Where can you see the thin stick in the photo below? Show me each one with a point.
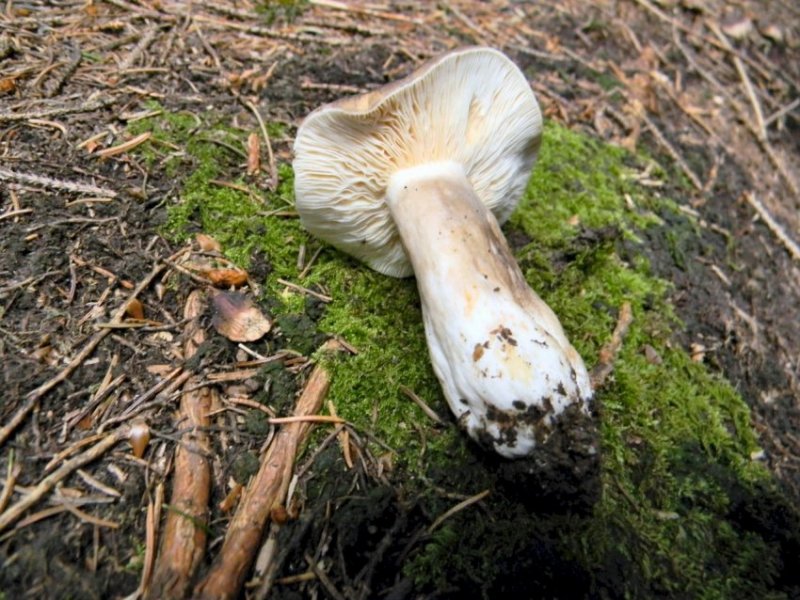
(344, 438)
(306, 419)
(608, 353)
(266, 490)
(760, 126)
(326, 582)
(457, 508)
(788, 243)
(782, 111)
(740, 112)
(15, 213)
(47, 484)
(151, 536)
(273, 171)
(125, 146)
(672, 152)
(35, 395)
(86, 517)
(251, 404)
(71, 450)
(305, 290)
(184, 540)
(429, 412)
(11, 478)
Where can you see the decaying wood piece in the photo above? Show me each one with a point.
(266, 491)
(184, 540)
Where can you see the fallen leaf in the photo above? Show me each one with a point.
(238, 319)
(7, 85)
(226, 278)
(207, 243)
(134, 310)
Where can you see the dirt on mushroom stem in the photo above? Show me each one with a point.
(505, 365)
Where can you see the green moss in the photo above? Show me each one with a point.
(281, 10)
(676, 439)
(245, 466)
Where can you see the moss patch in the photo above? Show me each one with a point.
(676, 439)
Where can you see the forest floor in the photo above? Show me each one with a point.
(95, 282)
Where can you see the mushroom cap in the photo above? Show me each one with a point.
(472, 106)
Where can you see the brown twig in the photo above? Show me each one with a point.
(788, 243)
(662, 140)
(609, 351)
(184, 540)
(758, 115)
(273, 170)
(305, 290)
(124, 146)
(429, 412)
(151, 537)
(267, 489)
(12, 473)
(457, 508)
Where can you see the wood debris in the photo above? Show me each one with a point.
(184, 534)
(237, 318)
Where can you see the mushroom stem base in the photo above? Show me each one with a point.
(505, 365)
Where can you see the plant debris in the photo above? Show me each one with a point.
(238, 319)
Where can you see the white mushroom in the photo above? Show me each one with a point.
(414, 178)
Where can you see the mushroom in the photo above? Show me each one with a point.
(414, 178)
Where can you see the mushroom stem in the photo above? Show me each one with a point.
(505, 365)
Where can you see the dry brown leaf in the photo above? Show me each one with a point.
(226, 278)
(7, 85)
(207, 243)
(238, 319)
(134, 310)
